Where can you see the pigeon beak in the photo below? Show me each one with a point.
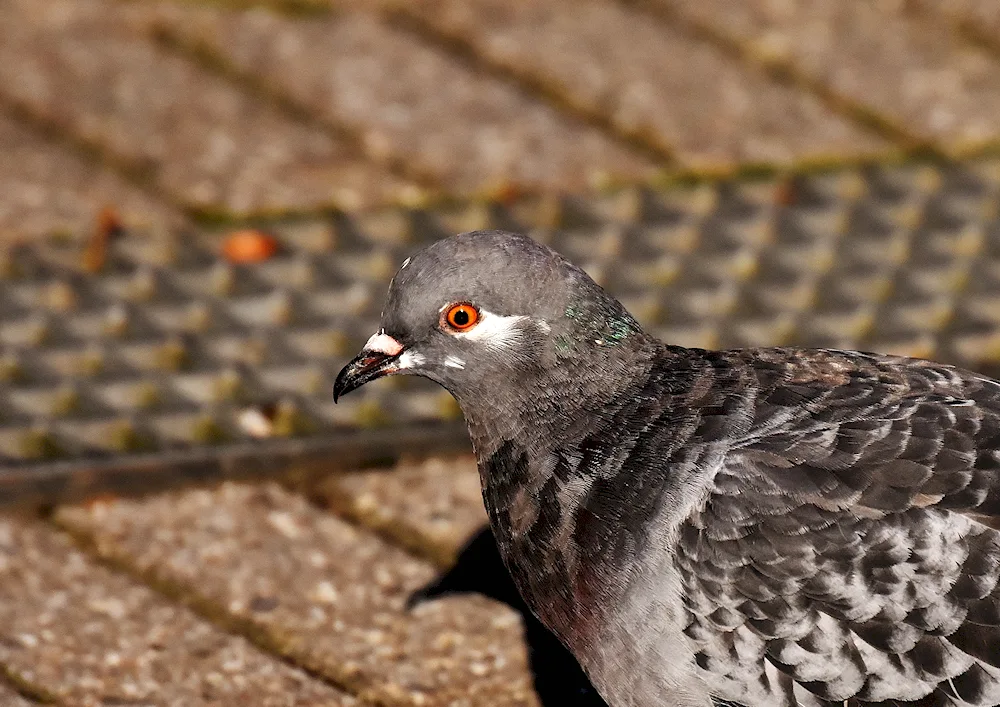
(375, 360)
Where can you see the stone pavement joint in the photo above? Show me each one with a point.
(253, 84)
(54, 187)
(902, 65)
(269, 642)
(430, 507)
(292, 8)
(305, 585)
(72, 632)
(976, 21)
(789, 74)
(134, 174)
(15, 691)
(90, 66)
(670, 88)
(465, 51)
(479, 133)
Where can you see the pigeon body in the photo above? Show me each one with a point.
(760, 527)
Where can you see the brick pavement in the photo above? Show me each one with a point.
(176, 114)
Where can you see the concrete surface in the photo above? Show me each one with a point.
(87, 636)
(330, 595)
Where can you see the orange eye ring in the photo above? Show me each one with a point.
(461, 316)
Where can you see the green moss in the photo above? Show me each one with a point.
(289, 421)
(172, 356)
(11, 370)
(39, 445)
(124, 437)
(371, 414)
(207, 430)
(228, 387)
(91, 363)
(449, 408)
(65, 402)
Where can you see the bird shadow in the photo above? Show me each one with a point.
(559, 680)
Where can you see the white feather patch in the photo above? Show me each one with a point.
(494, 330)
(454, 362)
(409, 359)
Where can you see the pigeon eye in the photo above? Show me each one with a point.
(462, 316)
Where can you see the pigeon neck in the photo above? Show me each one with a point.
(553, 402)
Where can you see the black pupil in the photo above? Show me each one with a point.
(461, 317)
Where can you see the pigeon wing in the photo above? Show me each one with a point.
(847, 549)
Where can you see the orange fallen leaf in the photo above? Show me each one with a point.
(249, 246)
(786, 194)
(506, 193)
(109, 225)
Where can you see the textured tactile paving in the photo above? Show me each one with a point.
(88, 67)
(167, 347)
(90, 637)
(410, 101)
(676, 91)
(918, 74)
(331, 596)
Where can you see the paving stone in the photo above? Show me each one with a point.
(83, 66)
(984, 14)
(651, 79)
(434, 505)
(410, 100)
(45, 189)
(92, 637)
(332, 595)
(9, 698)
(914, 72)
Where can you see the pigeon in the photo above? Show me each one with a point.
(761, 527)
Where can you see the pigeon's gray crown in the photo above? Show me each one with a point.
(504, 273)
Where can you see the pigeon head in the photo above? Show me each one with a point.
(486, 313)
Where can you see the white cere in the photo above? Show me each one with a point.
(383, 343)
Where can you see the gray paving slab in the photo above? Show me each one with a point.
(89, 67)
(914, 72)
(91, 637)
(434, 505)
(46, 189)
(331, 595)
(650, 79)
(411, 101)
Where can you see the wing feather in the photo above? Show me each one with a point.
(849, 532)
